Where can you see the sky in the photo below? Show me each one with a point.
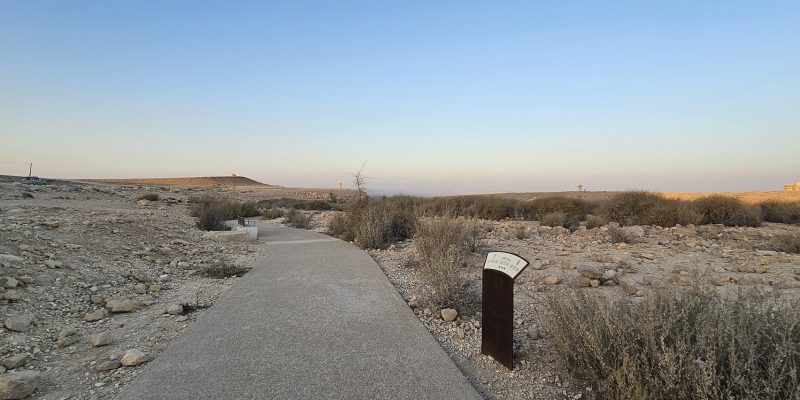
(437, 97)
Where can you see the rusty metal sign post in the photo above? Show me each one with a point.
(497, 322)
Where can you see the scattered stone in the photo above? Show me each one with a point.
(8, 282)
(578, 281)
(19, 323)
(175, 309)
(67, 341)
(107, 365)
(95, 315)
(8, 258)
(628, 286)
(18, 385)
(12, 295)
(590, 271)
(449, 314)
(121, 306)
(101, 339)
(551, 280)
(15, 361)
(133, 357)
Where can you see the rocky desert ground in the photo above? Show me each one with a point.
(709, 256)
(95, 282)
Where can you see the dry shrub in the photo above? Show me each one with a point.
(554, 219)
(475, 233)
(727, 211)
(441, 246)
(297, 219)
(536, 209)
(149, 197)
(337, 226)
(483, 207)
(679, 344)
(595, 221)
(213, 211)
(248, 209)
(522, 232)
(673, 212)
(211, 214)
(782, 212)
(221, 270)
(273, 213)
(631, 208)
(787, 243)
(376, 223)
(617, 235)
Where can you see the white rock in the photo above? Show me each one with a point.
(449, 314)
(133, 357)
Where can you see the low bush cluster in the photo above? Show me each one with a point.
(373, 224)
(212, 212)
(679, 344)
(782, 212)
(644, 208)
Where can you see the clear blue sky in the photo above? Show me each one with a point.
(436, 96)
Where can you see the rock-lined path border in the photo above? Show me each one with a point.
(317, 319)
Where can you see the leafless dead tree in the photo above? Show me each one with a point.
(360, 180)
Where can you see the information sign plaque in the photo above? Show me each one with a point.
(497, 307)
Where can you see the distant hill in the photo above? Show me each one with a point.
(206, 181)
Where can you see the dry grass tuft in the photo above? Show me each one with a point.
(442, 244)
(679, 344)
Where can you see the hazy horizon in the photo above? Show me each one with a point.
(438, 98)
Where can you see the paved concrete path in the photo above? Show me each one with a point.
(317, 319)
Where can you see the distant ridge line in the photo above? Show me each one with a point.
(203, 181)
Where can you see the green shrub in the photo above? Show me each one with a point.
(678, 344)
(249, 209)
(441, 245)
(149, 197)
(297, 219)
(782, 212)
(727, 211)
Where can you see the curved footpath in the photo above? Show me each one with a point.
(317, 319)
